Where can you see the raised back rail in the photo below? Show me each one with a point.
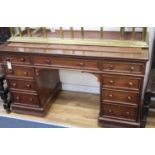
(122, 37)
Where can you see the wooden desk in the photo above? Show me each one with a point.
(33, 78)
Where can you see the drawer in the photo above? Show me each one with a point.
(121, 82)
(42, 60)
(123, 67)
(17, 59)
(23, 85)
(23, 98)
(120, 96)
(75, 63)
(120, 111)
(19, 71)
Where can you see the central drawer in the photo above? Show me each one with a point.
(111, 95)
(42, 60)
(23, 98)
(75, 63)
(120, 111)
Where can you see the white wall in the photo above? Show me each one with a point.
(85, 82)
(148, 66)
(77, 81)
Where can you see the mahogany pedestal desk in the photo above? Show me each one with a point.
(32, 75)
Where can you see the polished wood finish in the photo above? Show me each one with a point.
(123, 82)
(123, 67)
(75, 63)
(120, 112)
(40, 68)
(25, 98)
(20, 85)
(42, 60)
(17, 59)
(113, 95)
(19, 72)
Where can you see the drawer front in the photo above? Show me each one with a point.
(24, 85)
(76, 63)
(120, 111)
(120, 96)
(23, 98)
(121, 82)
(17, 59)
(123, 67)
(19, 71)
(42, 60)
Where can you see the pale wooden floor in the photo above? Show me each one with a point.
(72, 109)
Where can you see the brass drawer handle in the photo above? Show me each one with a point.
(14, 84)
(28, 86)
(81, 64)
(110, 95)
(37, 73)
(111, 67)
(110, 111)
(127, 113)
(111, 82)
(130, 84)
(22, 59)
(132, 68)
(30, 99)
(129, 98)
(47, 61)
(25, 73)
(17, 98)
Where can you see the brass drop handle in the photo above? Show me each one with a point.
(28, 86)
(130, 83)
(129, 98)
(22, 59)
(17, 98)
(132, 68)
(30, 99)
(14, 84)
(110, 95)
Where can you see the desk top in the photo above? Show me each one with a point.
(77, 50)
